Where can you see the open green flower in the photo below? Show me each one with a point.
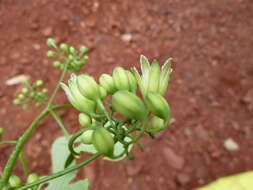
(153, 79)
(75, 97)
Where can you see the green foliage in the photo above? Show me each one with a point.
(59, 155)
(242, 181)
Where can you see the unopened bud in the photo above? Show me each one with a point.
(39, 83)
(84, 120)
(88, 87)
(51, 54)
(120, 78)
(102, 92)
(72, 50)
(157, 105)
(64, 47)
(132, 82)
(14, 181)
(56, 64)
(83, 50)
(51, 43)
(129, 105)
(32, 178)
(86, 137)
(107, 82)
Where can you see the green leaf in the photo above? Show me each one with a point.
(242, 181)
(60, 155)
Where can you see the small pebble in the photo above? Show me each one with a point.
(231, 145)
(126, 37)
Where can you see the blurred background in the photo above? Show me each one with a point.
(210, 93)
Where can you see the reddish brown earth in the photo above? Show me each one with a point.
(211, 91)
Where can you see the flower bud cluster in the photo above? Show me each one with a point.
(67, 57)
(16, 182)
(33, 92)
(115, 97)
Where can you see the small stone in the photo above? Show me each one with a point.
(127, 37)
(133, 169)
(36, 46)
(183, 179)
(231, 145)
(47, 31)
(174, 160)
(16, 80)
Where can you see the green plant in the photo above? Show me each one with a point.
(112, 116)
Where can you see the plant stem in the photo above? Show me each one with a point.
(20, 143)
(22, 140)
(23, 163)
(50, 101)
(8, 142)
(100, 104)
(55, 108)
(61, 173)
(59, 122)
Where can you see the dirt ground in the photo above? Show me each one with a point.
(211, 91)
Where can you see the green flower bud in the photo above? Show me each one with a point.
(154, 77)
(71, 57)
(57, 64)
(44, 90)
(102, 92)
(15, 181)
(88, 87)
(72, 50)
(86, 137)
(25, 90)
(74, 95)
(103, 141)
(107, 82)
(21, 96)
(120, 78)
(64, 47)
(32, 178)
(83, 50)
(158, 105)
(84, 120)
(39, 83)
(51, 54)
(85, 58)
(157, 124)
(129, 105)
(16, 101)
(132, 82)
(51, 43)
